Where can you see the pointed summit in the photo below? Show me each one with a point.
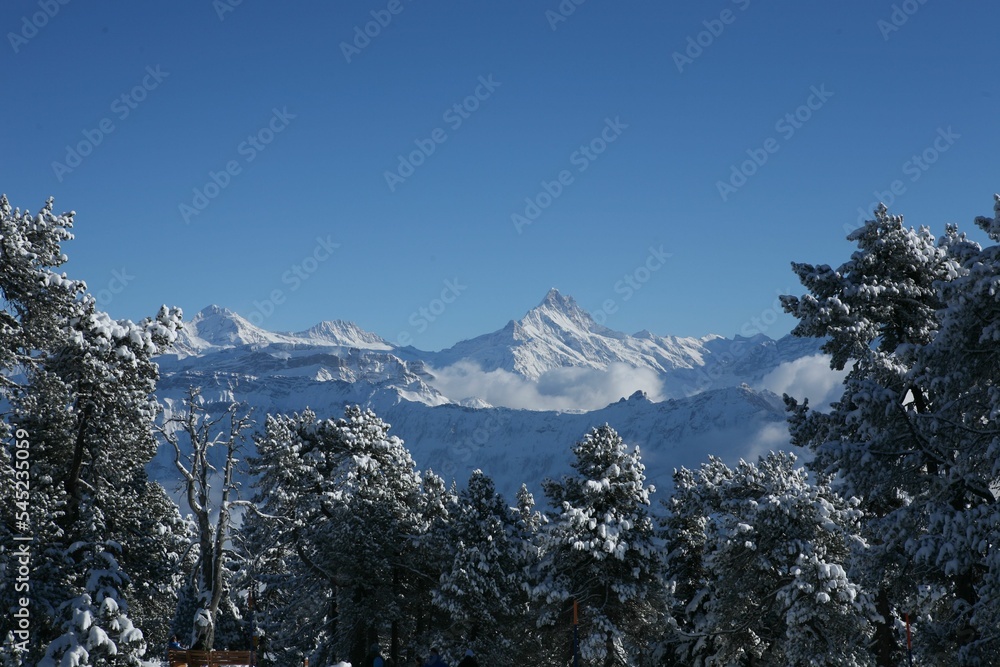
(558, 312)
(555, 299)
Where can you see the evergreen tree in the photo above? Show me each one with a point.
(481, 587)
(910, 435)
(346, 499)
(599, 552)
(78, 385)
(431, 555)
(758, 562)
(958, 513)
(96, 627)
(297, 613)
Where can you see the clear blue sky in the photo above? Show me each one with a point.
(202, 93)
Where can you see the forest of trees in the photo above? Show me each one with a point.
(890, 528)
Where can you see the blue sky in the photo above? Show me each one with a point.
(300, 222)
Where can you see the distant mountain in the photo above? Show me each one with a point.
(344, 334)
(558, 333)
(216, 328)
(711, 406)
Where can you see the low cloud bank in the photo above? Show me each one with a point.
(807, 377)
(563, 389)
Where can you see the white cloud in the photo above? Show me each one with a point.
(770, 438)
(807, 377)
(564, 389)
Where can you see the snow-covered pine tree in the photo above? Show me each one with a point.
(599, 551)
(79, 386)
(959, 518)
(37, 302)
(757, 558)
(153, 551)
(431, 555)
(528, 523)
(297, 610)
(910, 434)
(348, 496)
(97, 630)
(89, 414)
(480, 588)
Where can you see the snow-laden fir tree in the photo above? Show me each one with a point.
(90, 416)
(598, 551)
(346, 496)
(431, 555)
(79, 386)
(912, 435)
(481, 588)
(955, 541)
(96, 628)
(296, 457)
(758, 560)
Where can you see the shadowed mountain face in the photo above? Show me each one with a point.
(482, 403)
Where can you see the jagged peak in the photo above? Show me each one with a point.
(335, 326)
(214, 310)
(343, 332)
(556, 303)
(556, 299)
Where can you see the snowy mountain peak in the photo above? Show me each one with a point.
(346, 334)
(558, 312)
(555, 299)
(221, 327)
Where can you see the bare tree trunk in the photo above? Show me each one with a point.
(197, 473)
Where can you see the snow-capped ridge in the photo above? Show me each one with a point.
(343, 333)
(215, 326)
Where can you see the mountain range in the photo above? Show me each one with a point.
(511, 402)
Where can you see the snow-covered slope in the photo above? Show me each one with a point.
(515, 446)
(343, 334)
